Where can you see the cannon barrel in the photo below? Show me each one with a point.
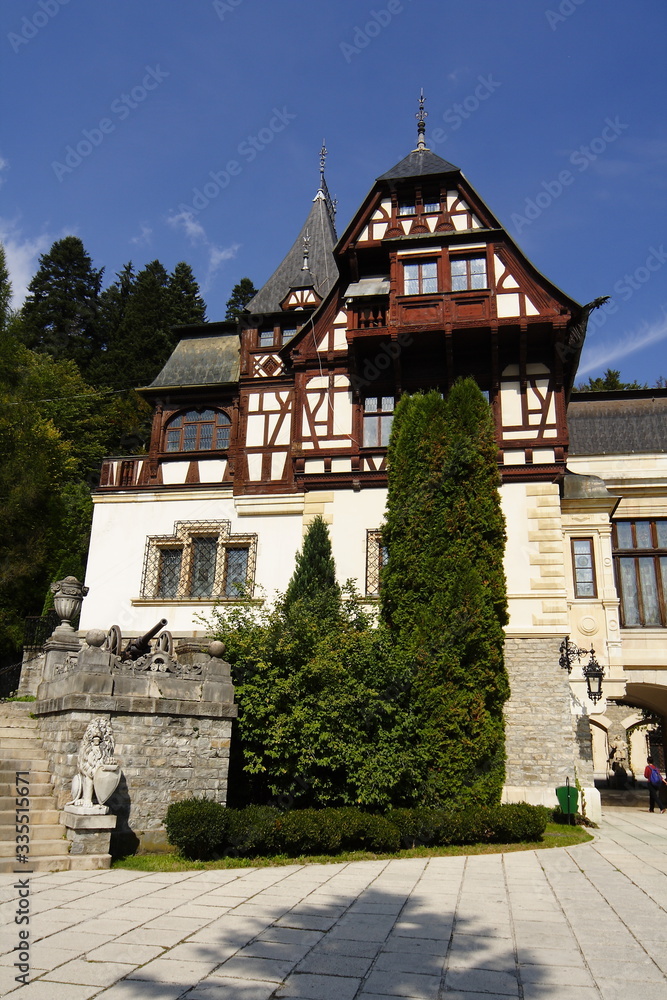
(137, 647)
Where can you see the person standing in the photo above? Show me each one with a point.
(656, 785)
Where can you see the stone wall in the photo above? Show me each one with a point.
(539, 737)
(163, 758)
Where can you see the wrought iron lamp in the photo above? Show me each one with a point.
(593, 672)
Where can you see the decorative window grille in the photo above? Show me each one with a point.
(201, 561)
(198, 430)
(378, 415)
(468, 273)
(584, 567)
(420, 277)
(376, 557)
(640, 557)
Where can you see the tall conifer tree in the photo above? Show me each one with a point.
(443, 589)
(186, 306)
(61, 313)
(314, 577)
(241, 295)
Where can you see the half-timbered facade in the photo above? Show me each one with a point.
(261, 426)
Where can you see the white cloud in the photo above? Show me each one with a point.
(196, 233)
(22, 255)
(4, 164)
(144, 237)
(601, 356)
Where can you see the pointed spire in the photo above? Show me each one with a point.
(421, 117)
(323, 191)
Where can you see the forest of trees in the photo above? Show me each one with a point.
(70, 360)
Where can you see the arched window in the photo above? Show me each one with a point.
(198, 430)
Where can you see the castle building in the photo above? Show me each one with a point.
(262, 425)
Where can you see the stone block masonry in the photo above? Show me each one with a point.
(539, 738)
(172, 732)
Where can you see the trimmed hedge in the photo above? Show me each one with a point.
(202, 829)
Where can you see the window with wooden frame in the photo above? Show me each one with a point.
(378, 416)
(201, 561)
(198, 430)
(406, 205)
(640, 562)
(265, 338)
(420, 277)
(583, 567)
(431, 201)
(377, 556)
(468, 273)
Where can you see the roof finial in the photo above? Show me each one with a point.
(323, 191)
(306, 252)
(323, 160)
(421, 117)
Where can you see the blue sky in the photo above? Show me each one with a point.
(555, 111)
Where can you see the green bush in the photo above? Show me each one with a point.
(504, 824)
(251, 832)
(197, 827)
(327, 831)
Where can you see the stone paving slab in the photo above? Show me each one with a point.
(564, 924)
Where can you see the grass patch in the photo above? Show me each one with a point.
(22, 697)
(555, 835)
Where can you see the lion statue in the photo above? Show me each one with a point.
(98, 772)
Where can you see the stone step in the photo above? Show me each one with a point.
(47, 831)
(8, 768)
(39, 817)
(59, 863)
(38, 789)
(8, 802)
(22, 746)
(38, 848)
(18, 723)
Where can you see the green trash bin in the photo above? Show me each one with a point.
(568, 797)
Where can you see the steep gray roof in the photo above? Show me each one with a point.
(201, 358)
(606, 424)
(419, 163)
(289, 274)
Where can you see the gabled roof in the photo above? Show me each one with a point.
(419, 163)
(204, 355)
(290, 274)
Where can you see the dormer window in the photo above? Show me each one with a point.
(198, 430)
(431, 202)
(406, 206)
(468, 273)
(420, 277)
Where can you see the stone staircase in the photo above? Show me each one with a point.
(21, 750)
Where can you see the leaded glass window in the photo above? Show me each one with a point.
(378, 416)
(169, 572)
(468, 273)
(202, 560)
(420, 277)
(204, 556)
(584, 567)
(236, 571)
(198, 430)
(640, 556)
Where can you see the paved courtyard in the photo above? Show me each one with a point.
(568, 924)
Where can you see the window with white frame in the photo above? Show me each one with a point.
(200, 561)
(420, 277)
(640, 558)
(378, 416)
(468, 273)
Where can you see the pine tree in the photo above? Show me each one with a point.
(61, 313)
(610, 381)
(443, 589)
(186, 306)
(314, 577)
(5, 290)
(239, 299)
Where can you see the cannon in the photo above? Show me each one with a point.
(142, 645)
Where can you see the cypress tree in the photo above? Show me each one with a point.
(443, 589)
(314, 576)
(61, 313)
